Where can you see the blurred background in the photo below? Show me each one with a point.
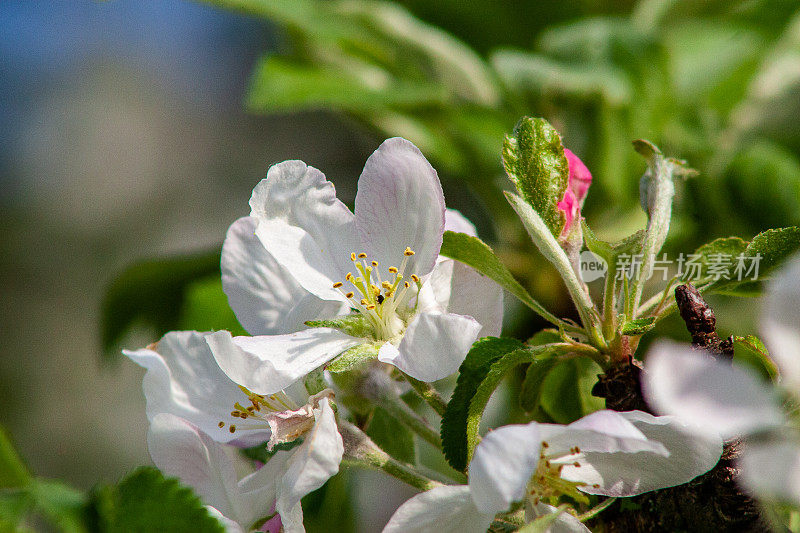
(136, 130)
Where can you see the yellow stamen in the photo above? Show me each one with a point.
(349, 295)
(337, 284)
(414, 278)
(408, 252)
(352, 256)
(393, 270)
(362, 255)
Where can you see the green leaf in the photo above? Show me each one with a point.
(530, 394)
(713, 253)
(151, 293)
(353, 358)
(567, 389)
(205, 308)
(752, 352)
(470, 375)
(147, 501)
(354, 324)
(474, 252)
(13, 472)
(62, 505)
(640, 326)
(493, 377)
(775, 246)
(392, 436)
(534, 160)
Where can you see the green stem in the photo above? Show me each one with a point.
(429, 394)
(610, 305)
(406, 415)
(361, 451)
(596, 510)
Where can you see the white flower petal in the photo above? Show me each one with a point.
(258, 490)
(184, 379)
(455, 221)
(179, 449)
(771, 470)
(780, 323)
(565, 523)
(460, 289)
(603, 431)
(268, 364)
(503, 463)
(400, 203)
(311, 464)
(265, 296)
(304, 226)
(433, 346)
(629, 474)
(712, 397)
(448, 509)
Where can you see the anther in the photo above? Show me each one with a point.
(362, 255)
(380, 298)
(576, 464)
(348, 276)
(374, 263)
(232, 428)
(364, 301)
(370, 307)
(221, 424)
(352, 256)
(386, 285)
(393, 270)
(406, 284)
(337, 284)
(544, 444)
(408, 252)
(577, 450)
(349, 295)
(414, 278)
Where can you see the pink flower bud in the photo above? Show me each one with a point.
(579, 180)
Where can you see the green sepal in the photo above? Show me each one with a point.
(354, 358)
(533, 158)
(354, 324)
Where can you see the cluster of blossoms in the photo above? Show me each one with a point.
(310, 280)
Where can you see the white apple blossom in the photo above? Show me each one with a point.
(181, 449)
(302, 255)
(605, 453)
(717, 397)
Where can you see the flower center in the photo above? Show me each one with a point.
(548, 485)
(384, 302)
(261, 408)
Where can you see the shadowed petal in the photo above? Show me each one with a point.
(184, 379)
(455, 221)
(400, 203)
(310, 466)
(771, 470)
(710, 396)
(265, 296)
(503, 464)
(448, 509)
(268, 364)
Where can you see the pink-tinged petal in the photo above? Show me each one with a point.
(184, 379)
(269, 364)
(771, 470)
(571, 208)
(258, 491)
(780, 323)
(265, 296)
(503, 463)
(180, 449)
(565, 523)
(579, 176)
(455, 221)
(304, 227)
(447, 509)
(460, 289)
(310, 466)
(400, 203)
(712, 397)
(434, 345)
(629, 474)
